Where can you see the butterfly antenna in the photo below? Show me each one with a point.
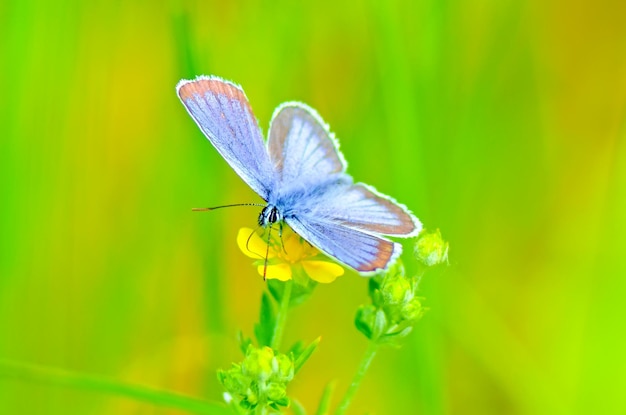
(205, 209)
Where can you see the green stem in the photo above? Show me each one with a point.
(59, 377)
(281, 318)
(372, 348)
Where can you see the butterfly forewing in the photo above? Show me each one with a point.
(301, 147)
(223, 113)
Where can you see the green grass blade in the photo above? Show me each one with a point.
(325, 400)
(63, 378)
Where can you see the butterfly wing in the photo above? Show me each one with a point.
(221, 110)
(347, 221)
(361, 207)
(305, 154)
(361, 251)
(301, 147)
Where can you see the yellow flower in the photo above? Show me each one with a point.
(287, 257)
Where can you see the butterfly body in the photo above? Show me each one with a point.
(300, 174)
(269, 216)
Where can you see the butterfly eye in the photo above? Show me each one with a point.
(262, 216)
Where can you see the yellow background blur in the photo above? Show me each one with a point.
(499, 122)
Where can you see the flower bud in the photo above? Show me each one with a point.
(275, 391)
(396, 290)
(412, 310)
(260, 380)
(430, 248)
(284, 368)
(252, 397)
(258, 362)
(394, 308)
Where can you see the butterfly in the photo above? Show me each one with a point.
(301, 175)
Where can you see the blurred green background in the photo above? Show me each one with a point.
(499, 122)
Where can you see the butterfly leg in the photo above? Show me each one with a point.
(267, 252)
(280, 235)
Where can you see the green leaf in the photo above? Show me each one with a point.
(284, 401)
(297, 408)
(221, 376)
(395, 338)
(373, 285)
(305, 354)
(296, 349)
(380, 324)
(364, 319)
(244, 341)
(263, 331)
(325, 400)
(402, 333)
(37, 374)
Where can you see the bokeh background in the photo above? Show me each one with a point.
(499, 122)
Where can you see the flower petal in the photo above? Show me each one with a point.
(322, 271)
(252, 245)
(280, 272)
(293, 249)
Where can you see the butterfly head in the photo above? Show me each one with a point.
(269, 216)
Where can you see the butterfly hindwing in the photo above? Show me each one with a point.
(361, 207)
(364, 252)
(222, 112)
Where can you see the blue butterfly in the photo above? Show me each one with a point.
(301, 175)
